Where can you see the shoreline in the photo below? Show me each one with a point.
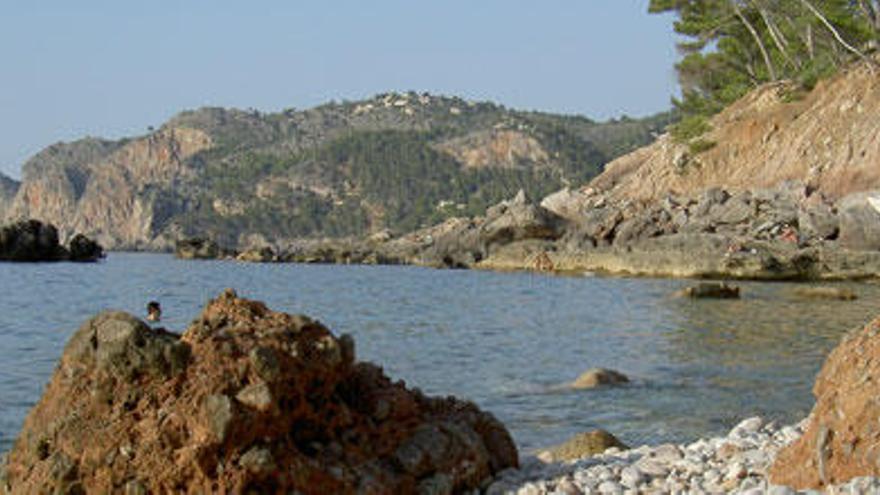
(735, 463)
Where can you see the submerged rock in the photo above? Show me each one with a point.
(246, 399)
(829, 293)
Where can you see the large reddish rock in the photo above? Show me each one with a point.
(246, 400)
(842, 440)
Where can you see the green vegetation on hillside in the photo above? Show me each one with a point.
(733, 46)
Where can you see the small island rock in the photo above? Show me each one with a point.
(597, 377)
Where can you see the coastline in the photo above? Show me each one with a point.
(736, 463)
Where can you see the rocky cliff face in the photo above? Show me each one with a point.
(396, 161)
(8, 188)
(102, 189)
(829, 139)
(247, 400)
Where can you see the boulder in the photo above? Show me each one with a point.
(842, 436)
(818, 221)
(566, 203)
(518, 219)
(245, 400)
(84, 249)
(197, 249)
(584, 444)
(597, 377)
(860, 221)
(711, 290)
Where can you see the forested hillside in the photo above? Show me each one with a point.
(396, 161)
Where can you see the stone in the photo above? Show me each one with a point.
(711, 290)
(597, 377)
(258, 460)
(818, 221)
(257, 396)
(219, 414)
(860, 221)
(631, 477)
(610, 487)
(747, 426)
(584, 445)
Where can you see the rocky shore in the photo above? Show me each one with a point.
(739, 462)
(786, 233)
(31, 240)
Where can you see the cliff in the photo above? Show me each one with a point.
(398, 161)
(8, 188)
(828, 138)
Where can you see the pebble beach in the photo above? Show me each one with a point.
(736, 463)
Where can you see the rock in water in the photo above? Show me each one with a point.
(197, 249)
(597, 377)
(247, 399)
(32, 240)
(711, 290)
(84, 249)
(829, 293)
(842, 438)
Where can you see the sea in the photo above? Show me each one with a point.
(510, 342)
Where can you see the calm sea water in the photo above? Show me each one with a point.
(503, 340)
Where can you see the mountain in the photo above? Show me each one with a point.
(828, 138)
(395, 161)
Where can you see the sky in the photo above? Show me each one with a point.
(111, 69)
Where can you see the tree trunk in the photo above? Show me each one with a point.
(758, 41)
(871, 63)
(777, 37)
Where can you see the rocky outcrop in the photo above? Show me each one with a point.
(197, 249)
(32, 240)
(496, 148)
(110, 191)
(843, 432)
(8, 188)
(246, 400)
(464, 243)
(827, 139)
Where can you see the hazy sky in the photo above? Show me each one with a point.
(111, 68)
